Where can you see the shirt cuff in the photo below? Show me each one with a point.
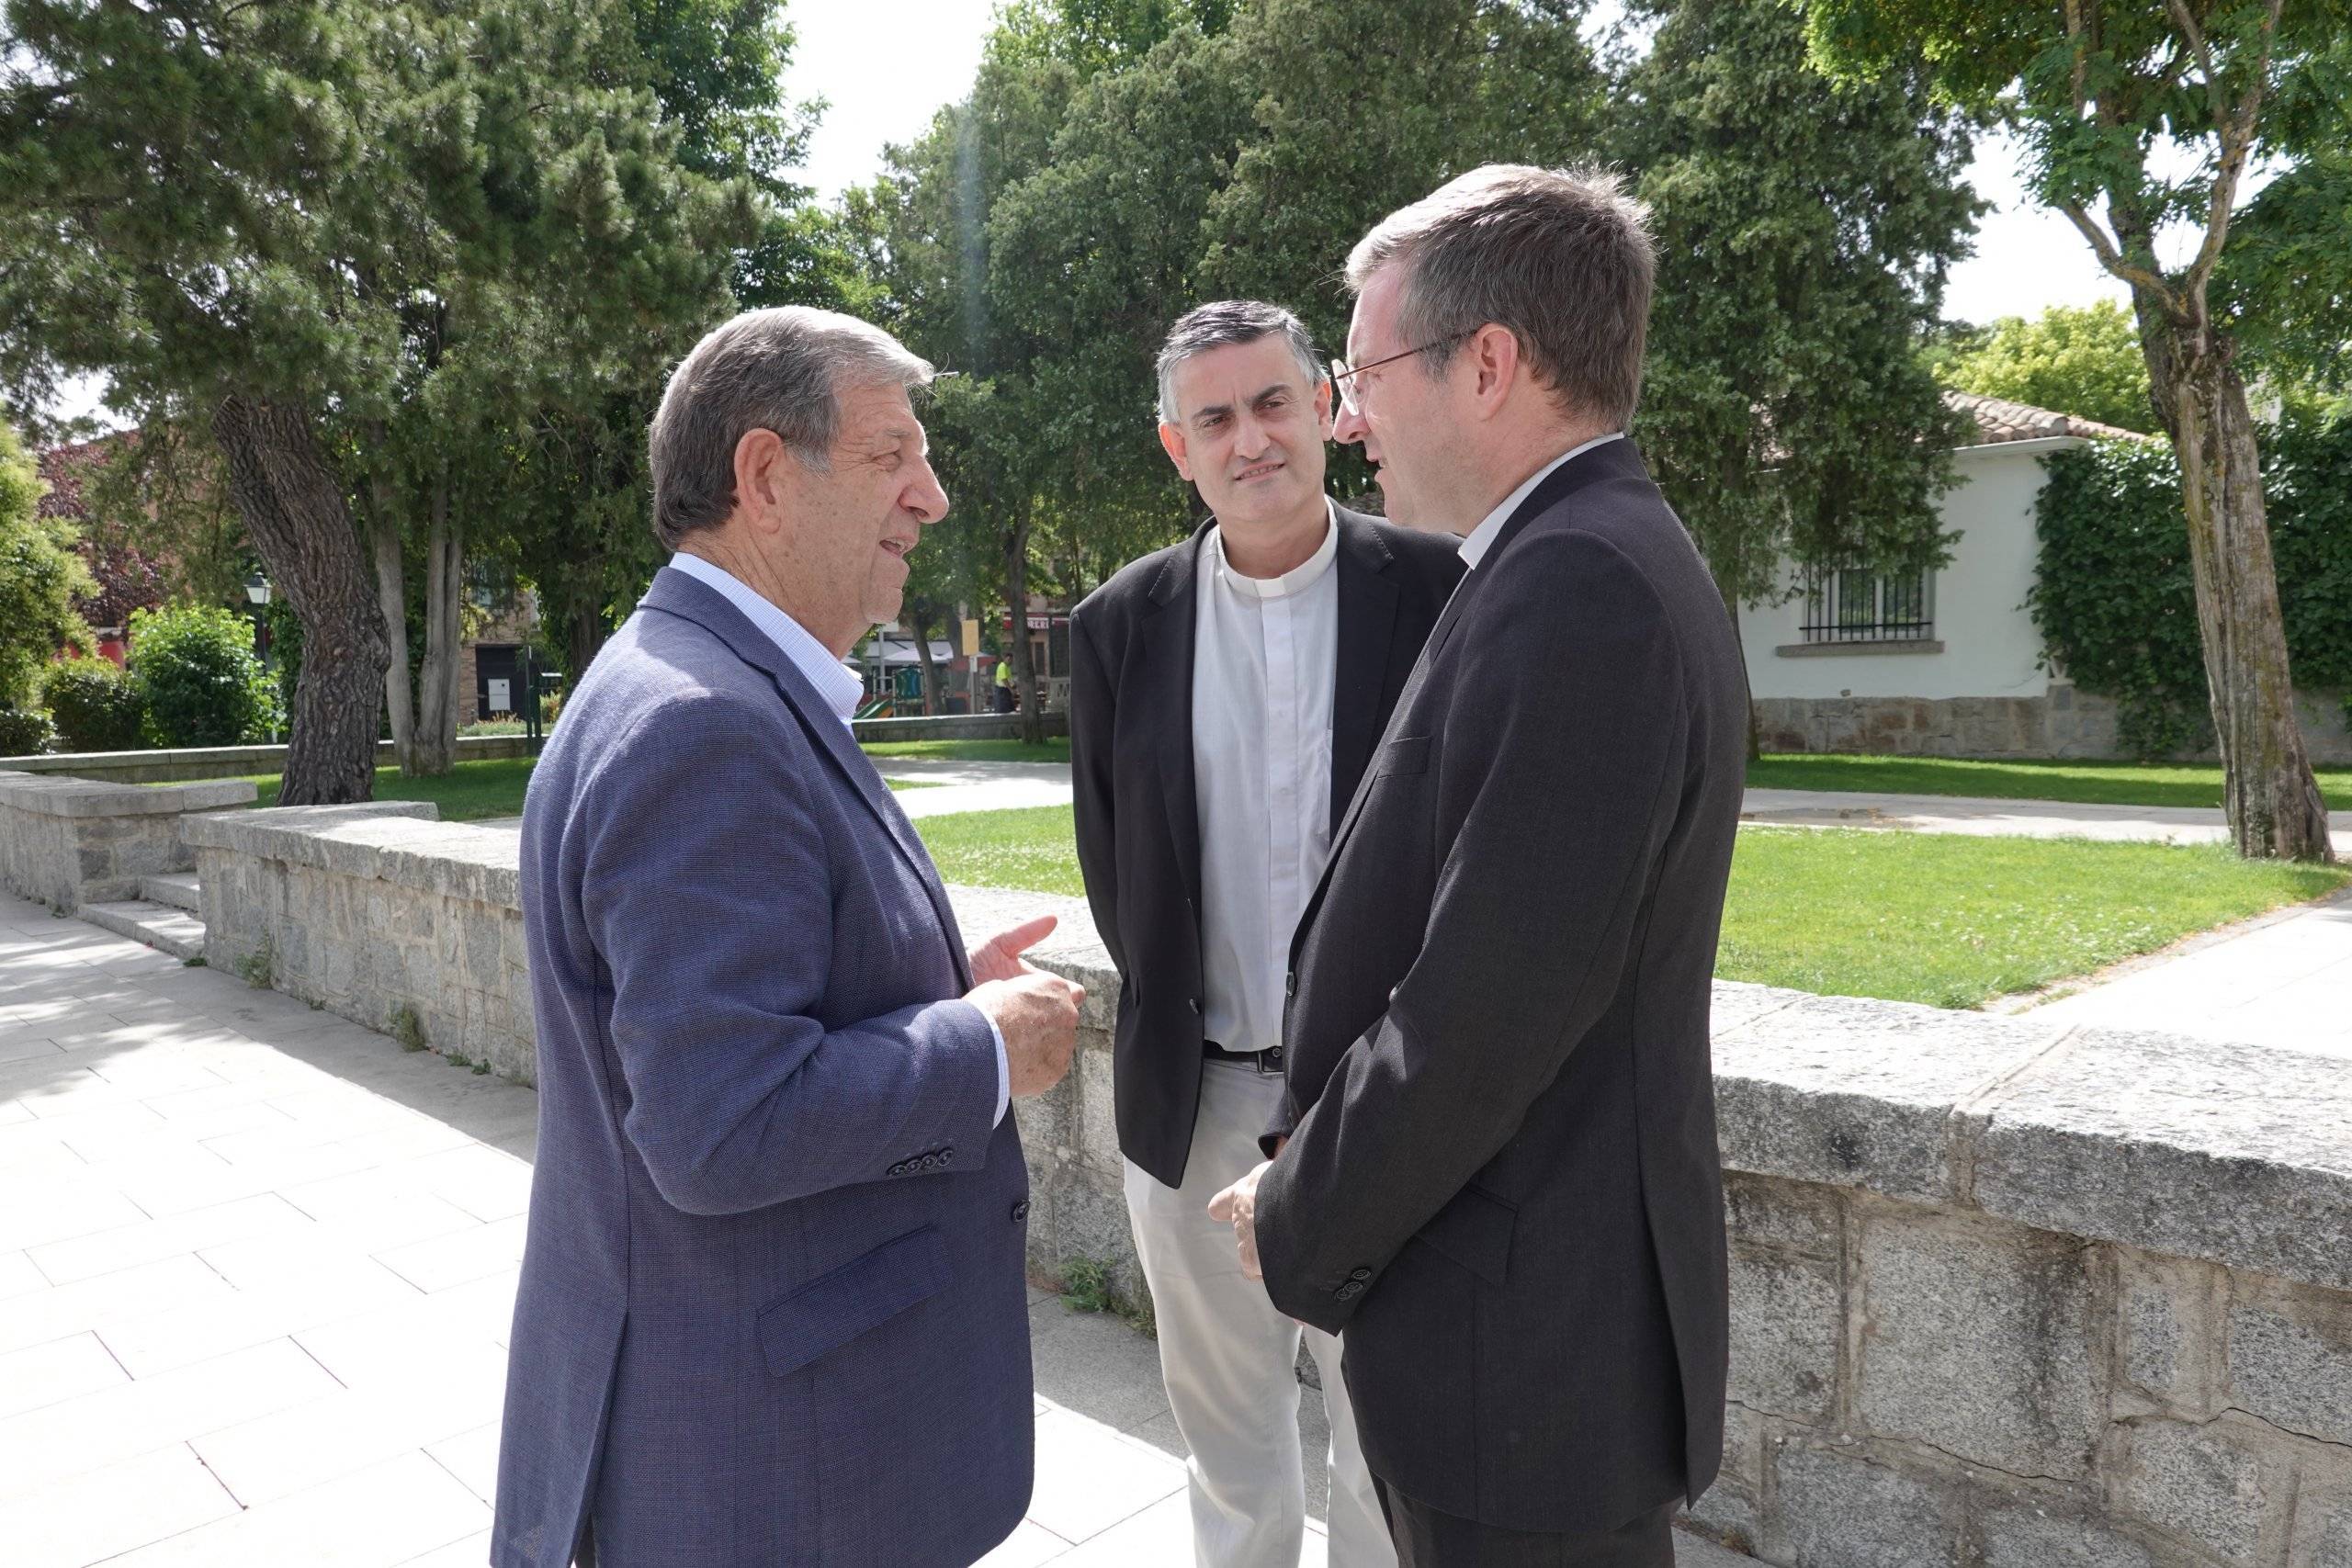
(1004, 1073)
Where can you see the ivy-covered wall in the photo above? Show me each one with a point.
(2115, 602)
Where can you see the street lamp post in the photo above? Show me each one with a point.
(257, 594)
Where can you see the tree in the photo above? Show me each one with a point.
(1804, 230)
(244, 213)
(2097, 89)
(2082, 360)
(40, 577)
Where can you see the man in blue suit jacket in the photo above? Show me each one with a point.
(771, 1308)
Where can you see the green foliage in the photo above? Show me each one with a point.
(96, 704)
(40, 577)
(2084, 361)
(408, 1028)
(25, 732)
(198, 678)
(2115, 600)
(259, 967)
(1805, 231)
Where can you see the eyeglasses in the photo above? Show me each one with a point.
(1343, 374)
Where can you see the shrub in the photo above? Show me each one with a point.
(94, 704)
(199, 679)
(2115, 599)
(23, 733)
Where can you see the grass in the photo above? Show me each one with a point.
(1056, 751)
(1950, 920)
(2082, 783)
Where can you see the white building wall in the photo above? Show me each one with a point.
(1989, 647)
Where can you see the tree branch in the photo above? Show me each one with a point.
(2110, 256)
(2237, 140)
(2196, 36)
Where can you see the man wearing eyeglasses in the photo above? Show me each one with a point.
(1494, 1165)
(1225, 696)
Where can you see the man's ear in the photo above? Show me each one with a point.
(760, 457)
(1496, 360)
(1323, 416)
(1171, 439)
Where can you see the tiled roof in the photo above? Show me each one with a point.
(1999, 420)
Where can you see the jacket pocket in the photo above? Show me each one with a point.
(1474, 1231)
(1404, 755)
(828, 1312)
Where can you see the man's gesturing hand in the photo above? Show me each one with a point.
(1238, 1204)
(1036, 1012)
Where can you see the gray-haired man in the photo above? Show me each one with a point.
(772, 1306)
(1225, 696)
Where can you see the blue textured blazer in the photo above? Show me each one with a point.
(771, 1308)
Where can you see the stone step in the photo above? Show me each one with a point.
(176, 888)
(160, 926)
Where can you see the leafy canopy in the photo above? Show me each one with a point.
(2082, 360)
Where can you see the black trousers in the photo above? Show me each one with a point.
(1427, 1538)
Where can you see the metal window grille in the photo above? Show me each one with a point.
(1868, 606)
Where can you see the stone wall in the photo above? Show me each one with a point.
(2065, 723)
(69, 842)
(380, 913)
(952, 727)
(2002, 1294)
(224, 761)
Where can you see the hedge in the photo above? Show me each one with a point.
(2115, 600)
(96, 704)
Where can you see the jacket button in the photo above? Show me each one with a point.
(1290, 984)
(1020, 1211)
(1361, 1274)
(1194, 1003)
(897, 1169)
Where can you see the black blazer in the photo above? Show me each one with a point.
(1138, 824)
(1501, 1179)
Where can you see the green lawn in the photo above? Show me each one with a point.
(2100, 783)
(1941, 918)
(1057, 751)
(473, 791)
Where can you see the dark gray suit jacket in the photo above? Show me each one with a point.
(1139, 822)
(1502, 1178)
(772, 1307)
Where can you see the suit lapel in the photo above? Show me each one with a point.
(1368, 600)
(681, 595)
(1168, 630)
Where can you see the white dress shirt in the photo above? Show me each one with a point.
(1482, 538)
(1265, 654)
(836, 684)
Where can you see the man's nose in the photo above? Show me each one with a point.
(926, 497)
(1349, 426)
(1249, 437)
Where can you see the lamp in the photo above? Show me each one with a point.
(257, 590)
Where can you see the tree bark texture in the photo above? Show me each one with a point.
(391, 602)
(1025, 667)
(2274, 804)
(294, 510)
(919, 617)
(435, 738)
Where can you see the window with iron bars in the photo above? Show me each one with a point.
(1869, 606)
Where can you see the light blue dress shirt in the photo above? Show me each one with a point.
(836, 682)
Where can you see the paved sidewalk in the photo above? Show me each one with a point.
(2022, 819)
(952, 786)
(2284, 981)
(256, 1270)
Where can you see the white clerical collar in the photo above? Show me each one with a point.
(835, 681)
(1298, 579)
(1482, 538)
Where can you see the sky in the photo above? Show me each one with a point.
(886, 66)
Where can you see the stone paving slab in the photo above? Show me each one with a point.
(256, 1272)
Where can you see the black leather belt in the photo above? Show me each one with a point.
(1269, 1060)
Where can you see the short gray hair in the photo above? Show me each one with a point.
(782, 369)
(1563, 258)
(1225, 323)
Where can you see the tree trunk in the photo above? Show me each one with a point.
(292, 503)
(2274, 804)
(919, 617)
(1024, 669)
(586, 633)
(392, 602)
(436, 740)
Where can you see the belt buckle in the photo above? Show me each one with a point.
(1270, 1061)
